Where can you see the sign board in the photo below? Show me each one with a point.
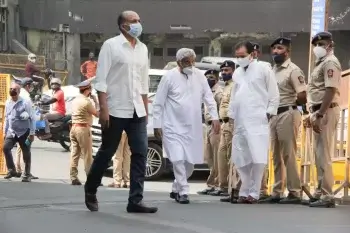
(318, 17)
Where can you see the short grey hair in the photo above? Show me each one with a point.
(184, 53)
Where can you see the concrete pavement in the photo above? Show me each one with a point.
(50, 204)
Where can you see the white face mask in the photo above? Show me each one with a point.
(243, 62)
(319, 52)
(188, 70)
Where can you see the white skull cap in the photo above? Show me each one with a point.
(56, 81)
(31, 56)
(184, 53)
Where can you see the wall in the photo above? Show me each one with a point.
(62, 51)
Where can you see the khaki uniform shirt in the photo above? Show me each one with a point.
(81, 106)
(327, 73)
(225, 100)
(291, 81)
(217, 93)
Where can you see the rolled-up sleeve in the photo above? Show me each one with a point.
(103, 68)
(145, 76)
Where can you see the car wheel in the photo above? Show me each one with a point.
(155, 165)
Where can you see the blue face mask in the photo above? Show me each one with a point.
(211, 82)
(135, 30)
(226, 77)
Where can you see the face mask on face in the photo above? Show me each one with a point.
(30, 89)
(319, 52)
(226, 77)
(13, 92)
(211, 82)
(244, 62)
(187, 70)
(279, 58)
(135, 30)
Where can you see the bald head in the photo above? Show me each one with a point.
(126, 18)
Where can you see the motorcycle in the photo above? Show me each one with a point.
(59, 129)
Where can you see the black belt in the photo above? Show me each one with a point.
(225, 119)
(317, 107)
(209, 122)
(285, 109)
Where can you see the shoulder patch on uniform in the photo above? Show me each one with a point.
(301, 79)
(330, 73)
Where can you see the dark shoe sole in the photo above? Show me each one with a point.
(142, 211)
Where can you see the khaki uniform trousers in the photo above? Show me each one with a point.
(81, 147)
(224, 155)
(121, 162)
(211, 154)
(284, 133)
(264, 190)
(323, 146)
(19, 159)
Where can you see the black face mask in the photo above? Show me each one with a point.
(279, 58)
(13, 92)
(211, 82)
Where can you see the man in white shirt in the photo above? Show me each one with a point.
(254, 100)
(122, 84)
(177, 119)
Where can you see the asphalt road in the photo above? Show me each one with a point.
(50, 204)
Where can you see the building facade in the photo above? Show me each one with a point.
(67, 30)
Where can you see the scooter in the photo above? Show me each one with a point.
(59, 129)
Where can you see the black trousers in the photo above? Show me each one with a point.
(10, 142)
(136, 130)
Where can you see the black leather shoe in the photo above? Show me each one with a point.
(270, 200)
(173, 195)
(323, 204)
(140, 208)
(26, 179)
(11, 174)
(206, 191)
(76, 182)
(307, 202)
(18, 174)
(225, 199)
(91, 202)
(217, 192)
(290, 199)
(183, 199)
(33, 177)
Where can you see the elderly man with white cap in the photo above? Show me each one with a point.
(177, 119)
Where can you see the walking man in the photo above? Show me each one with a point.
(19, 128)
(177, 119)
(122, 84)
(254, 100)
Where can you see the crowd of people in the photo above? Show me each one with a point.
(257, 106)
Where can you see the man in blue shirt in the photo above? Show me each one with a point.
(19, 128)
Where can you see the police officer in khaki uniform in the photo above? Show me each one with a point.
(80, 134)
(224, 154)
(212, 139)
(323, 97)
(285, 126)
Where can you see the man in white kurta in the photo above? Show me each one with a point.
(177, 119)
(254, 100)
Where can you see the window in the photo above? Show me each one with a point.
(158, 52)
(227, 50)
(198, 50)
(171, 52)
(84, 52)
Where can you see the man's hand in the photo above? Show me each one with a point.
(31, 138)
(306, 122)
(315, 123)
(216, 126)
(104, 118)
(158, 133)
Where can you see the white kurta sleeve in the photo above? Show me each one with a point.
(273, 93)
(159, 102)
(231, 111)
(145, 76)
(209, 101)
(103, 66)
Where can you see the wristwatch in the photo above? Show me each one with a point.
(318, 115)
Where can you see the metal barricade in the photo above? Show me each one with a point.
(340, 158)
(4, 88)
